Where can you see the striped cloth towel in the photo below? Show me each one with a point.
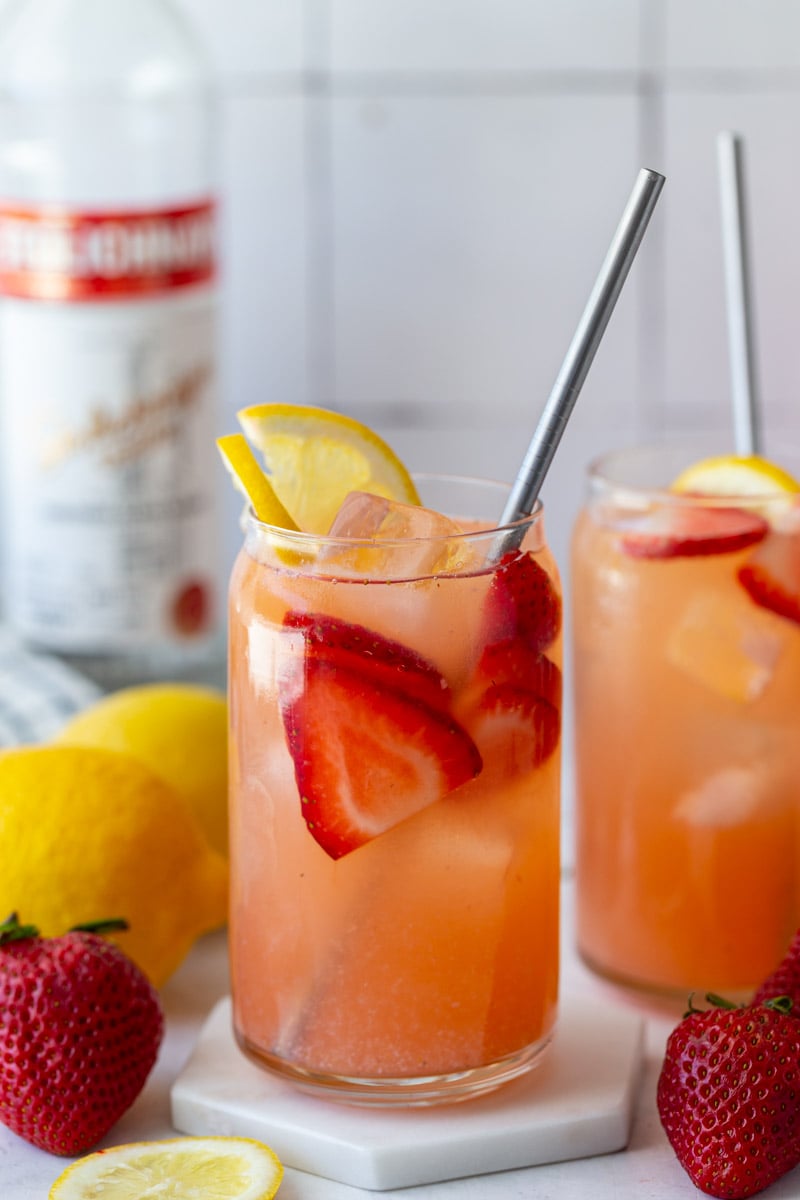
(38, 693)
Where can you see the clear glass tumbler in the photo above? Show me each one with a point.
(395, 732)
(687, 727)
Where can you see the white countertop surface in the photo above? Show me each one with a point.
(646, 1170)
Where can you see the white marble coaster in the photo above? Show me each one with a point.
(578, 1102)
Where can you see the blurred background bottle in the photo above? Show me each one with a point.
(107, 339)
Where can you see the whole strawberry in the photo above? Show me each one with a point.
(785, 979)
(729, 1096)
(80, 1027)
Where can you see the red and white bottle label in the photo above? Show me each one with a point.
(107, 376)
(51, 253)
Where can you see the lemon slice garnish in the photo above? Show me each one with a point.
(732, 475)
(251, 481)
(315, 457)
(227, 1168)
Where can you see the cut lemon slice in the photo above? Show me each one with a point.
(216, 1168)
(251, 481)
(729, 475)
(315, 457)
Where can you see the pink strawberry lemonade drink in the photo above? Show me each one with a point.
(686, 633)
(395, 724)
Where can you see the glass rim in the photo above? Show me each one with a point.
(300, 537)
(624, 490)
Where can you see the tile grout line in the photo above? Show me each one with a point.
(650, 402)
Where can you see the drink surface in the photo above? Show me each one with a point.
(431, 947)
(687, 750)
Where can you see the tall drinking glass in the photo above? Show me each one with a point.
(687, 716)
(395, 725)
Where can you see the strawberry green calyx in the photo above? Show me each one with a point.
(721, 1002)
(781, 1004)
(12, 931)
(714, 1000)
(109, 925)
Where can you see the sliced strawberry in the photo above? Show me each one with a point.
(365, 756)
(515, 729)
(771, 575)
(522, 605)
(514, 662)
(512, 704)
(390, 664)
(686, 531)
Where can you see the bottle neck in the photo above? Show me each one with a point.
(105, 105)
(141, 49)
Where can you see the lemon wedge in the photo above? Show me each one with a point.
(219, 1168)
(732, 475)
(251, 481)
(315, 457)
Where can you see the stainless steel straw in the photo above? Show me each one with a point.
(738, 299)
(583, 346)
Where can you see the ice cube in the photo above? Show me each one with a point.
(429, 545)
(731, 649)
(725, 799)
(364, 515)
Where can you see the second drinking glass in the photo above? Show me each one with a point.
(687, 662)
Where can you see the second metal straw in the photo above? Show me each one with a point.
(583, 346)
(741, 339)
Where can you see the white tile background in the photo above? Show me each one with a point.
(418, 194)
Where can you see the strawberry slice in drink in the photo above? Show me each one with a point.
(389, 663)
(515, 729)
(771, 575)
(522, 605)
(367, 756)
(686, 531)
(514, 662)
(512, 705)
(512, 709)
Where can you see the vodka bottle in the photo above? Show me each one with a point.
(107, 338)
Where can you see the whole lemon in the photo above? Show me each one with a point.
(179, 731)
(88, 833)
